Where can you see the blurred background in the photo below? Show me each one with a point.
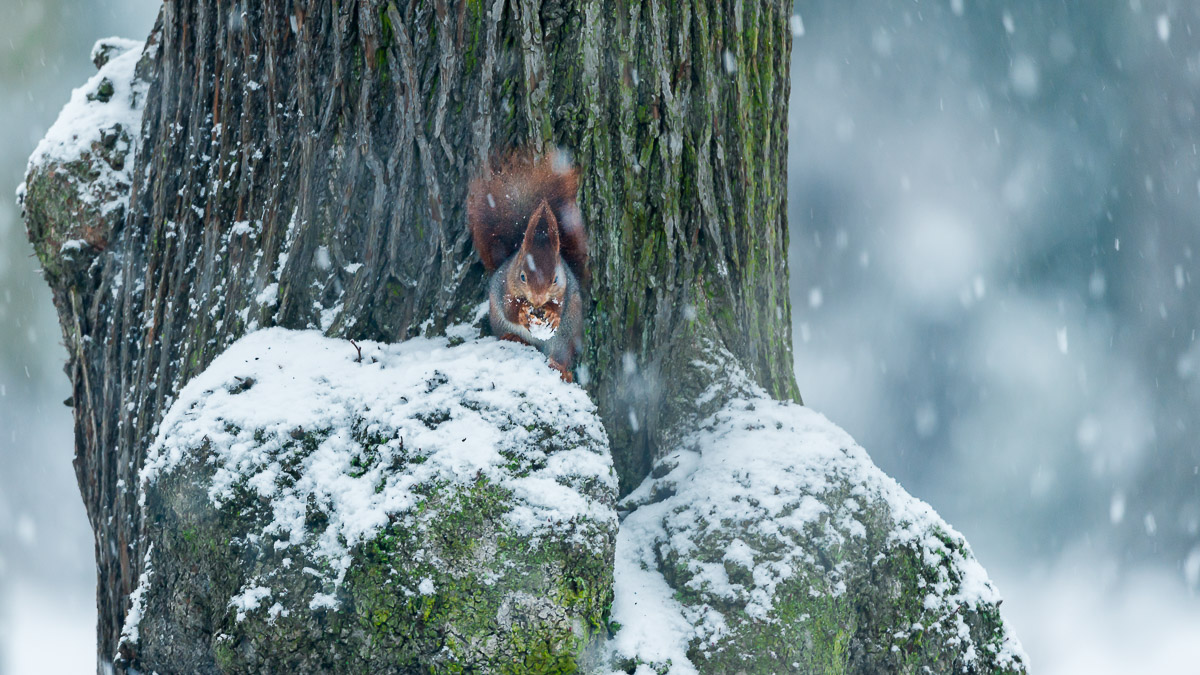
(995, 214)
(47, 565)
(995, 225)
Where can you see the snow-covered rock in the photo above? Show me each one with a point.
(448, 504)
(77, 183)
(437, 505)
(770, 543)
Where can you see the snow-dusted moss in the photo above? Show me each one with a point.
(770, 543)
(428, 509)
(77, 184)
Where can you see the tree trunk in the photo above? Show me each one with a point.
(306, 166)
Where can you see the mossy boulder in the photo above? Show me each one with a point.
(770, 543)
(423, 508)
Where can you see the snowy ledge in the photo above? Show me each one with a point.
(112, 98)
(103, 118)
(78, 180)
(432, 488)
(769, 542)
(451, 414)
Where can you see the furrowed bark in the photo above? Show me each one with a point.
(306, 166)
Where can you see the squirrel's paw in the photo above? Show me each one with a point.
(563, 371)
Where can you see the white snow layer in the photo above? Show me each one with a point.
(760, 465)
(488, 396)
(85, 119)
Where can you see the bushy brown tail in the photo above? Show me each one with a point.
(502, 199)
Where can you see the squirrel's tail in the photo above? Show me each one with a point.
(501, 201)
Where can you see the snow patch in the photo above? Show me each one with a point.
(130, 630)
(249, 599)
(242, 227)
(269, 296)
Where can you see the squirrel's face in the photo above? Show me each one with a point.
(541, 290)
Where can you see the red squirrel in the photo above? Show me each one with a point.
(527, 229)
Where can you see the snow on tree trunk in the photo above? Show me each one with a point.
(306, 167)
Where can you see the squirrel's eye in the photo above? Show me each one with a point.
(522, 276)
(556, 278)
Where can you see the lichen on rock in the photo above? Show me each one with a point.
(768, 542)
(424, 508)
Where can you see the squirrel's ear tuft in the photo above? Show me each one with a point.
(542, 231)
(541, 243)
